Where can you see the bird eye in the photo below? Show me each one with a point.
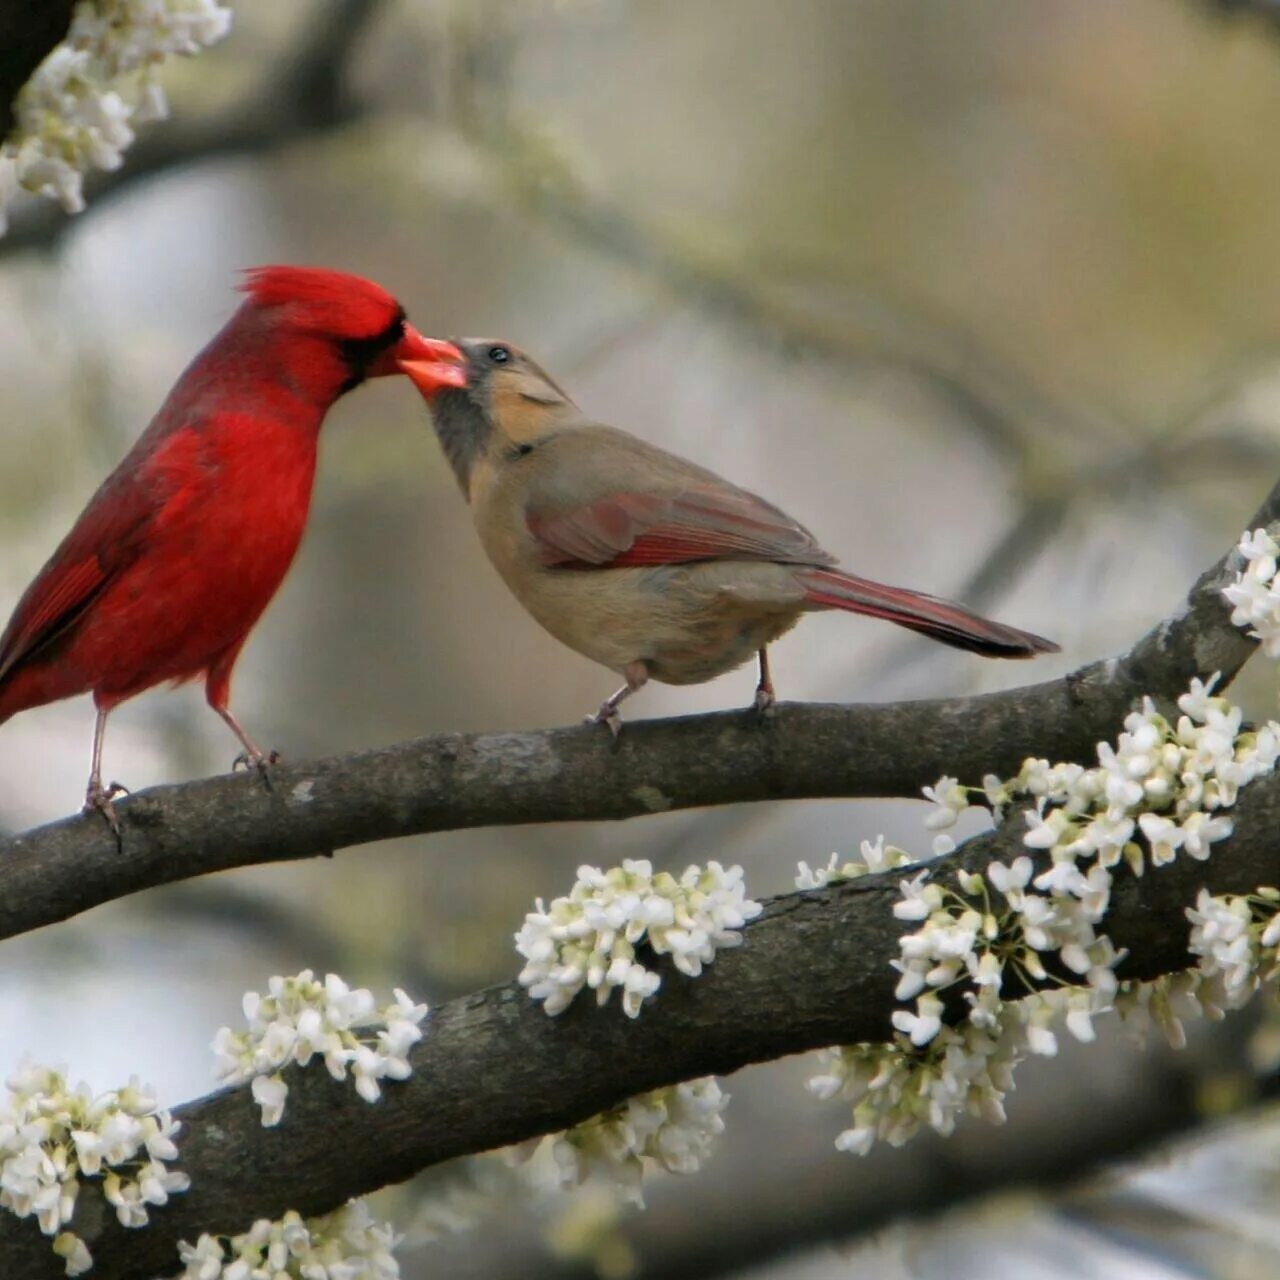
(499, 355)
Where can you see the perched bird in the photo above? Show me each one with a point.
(184, 544)
(641, 561)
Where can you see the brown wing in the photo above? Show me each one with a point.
(706, 521)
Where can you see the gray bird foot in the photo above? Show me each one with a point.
(765, 701)
(97, 799)
(607, 715)
(261, 761)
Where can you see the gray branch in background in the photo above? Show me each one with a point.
(772, 1206)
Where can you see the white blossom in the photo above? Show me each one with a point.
(1234, 937)
(52, 1136)
(950, 800)
(672, 1128)
(591, 938)
(300, 1018)
(995, 931)
(76, 111)
(344, 1245)
(897, 1087)
(1255, 594)
(873, 858)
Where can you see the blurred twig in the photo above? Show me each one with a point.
(308, 94)
(758, 1212)
(1267, 10)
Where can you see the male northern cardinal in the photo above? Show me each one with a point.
(184, 544)
(644, 562)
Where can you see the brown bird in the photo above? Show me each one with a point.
(639, 560)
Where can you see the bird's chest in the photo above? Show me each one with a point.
(238, 503)
(232, 507)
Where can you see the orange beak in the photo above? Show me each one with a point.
(417, 349)
(431, 363)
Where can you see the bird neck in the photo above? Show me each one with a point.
(464, 432)
(291, 375)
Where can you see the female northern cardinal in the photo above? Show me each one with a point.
(182, 547)
(634, 557)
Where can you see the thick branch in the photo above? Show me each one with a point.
(452, 781)
(786, 1191)
(494, 1069)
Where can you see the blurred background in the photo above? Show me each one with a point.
(987, 294)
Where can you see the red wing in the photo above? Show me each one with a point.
(704, 522)
(102, 542)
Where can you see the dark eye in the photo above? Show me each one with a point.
(499, 355)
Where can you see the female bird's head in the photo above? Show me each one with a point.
(328, 330)
(490, 399)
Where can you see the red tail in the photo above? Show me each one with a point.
(942, 620)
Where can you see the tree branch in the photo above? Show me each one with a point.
(787, 1191)
(493, 1069)
(452, 781)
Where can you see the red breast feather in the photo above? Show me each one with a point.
(183, 546)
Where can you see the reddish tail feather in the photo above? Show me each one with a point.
(941, 620)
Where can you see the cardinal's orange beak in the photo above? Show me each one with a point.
(412, 346)
(431, 363)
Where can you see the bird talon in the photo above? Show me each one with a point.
(765, 702)
(607, 715)
(98, 799)
(259, 761)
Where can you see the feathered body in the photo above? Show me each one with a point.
(687, 621)
(182, 547)
(638, 559)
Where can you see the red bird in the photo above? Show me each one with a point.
(182, 547)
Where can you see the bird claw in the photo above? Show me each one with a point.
(97, 799)
(607, 715)
(257, 760)
(765, 701)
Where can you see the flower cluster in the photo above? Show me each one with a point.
(1169, 783)
(1255, 594)
(77, 111)
(52, 1136)
(895, 1087)
(591, 938)
(300, 1018)
(988, 930)
(1236, 937)
(672, 1128)
(872, 859)
(344, 1245)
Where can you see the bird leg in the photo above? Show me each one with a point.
(764, 688)
(97, 798)
(637, 676)
(253, 755)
